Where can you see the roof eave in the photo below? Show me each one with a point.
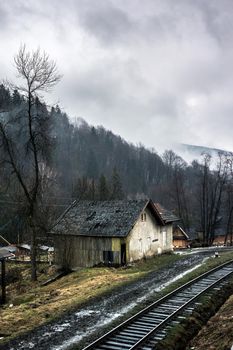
(157, 213)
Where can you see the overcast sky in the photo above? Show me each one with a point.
(153, 71)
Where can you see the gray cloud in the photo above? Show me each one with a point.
(4, 17)
(108, 23)
(155, 72)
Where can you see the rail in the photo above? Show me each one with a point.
(144, 325)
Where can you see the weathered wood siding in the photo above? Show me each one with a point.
(220, 240)
(180, 243)
(179, 239)
(146, 239)
(78, 251)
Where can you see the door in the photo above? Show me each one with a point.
(123, 254)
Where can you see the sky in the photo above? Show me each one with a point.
(156, 72)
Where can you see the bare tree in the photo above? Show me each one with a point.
(213, 183)
(228, 208)
(24, 136)
(176, 185)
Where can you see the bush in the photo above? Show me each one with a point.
(13, 275)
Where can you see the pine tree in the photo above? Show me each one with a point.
(16, 98)
(116, 186)
(103, 188)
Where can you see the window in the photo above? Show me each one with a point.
(143, 217)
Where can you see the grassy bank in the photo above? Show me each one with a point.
(216, 336)
(29, 305)
(209, 264)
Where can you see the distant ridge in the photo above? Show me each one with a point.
(190, 152)
(199, 149)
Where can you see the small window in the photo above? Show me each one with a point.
(143, 217)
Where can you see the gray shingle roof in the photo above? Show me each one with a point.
(102, 218)
(4, 253)
(180, 228)
(166, 215)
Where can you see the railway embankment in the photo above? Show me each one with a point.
(152, 324)
(208, 327)
(83, 316)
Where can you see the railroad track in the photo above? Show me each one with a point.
(149, 326)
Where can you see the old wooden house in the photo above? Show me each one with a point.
(180, 237)
(110, 232)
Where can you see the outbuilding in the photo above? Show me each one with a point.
(110, 232)
(180, 237)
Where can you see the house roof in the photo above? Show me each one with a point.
(181, 230)
(24, 246)
(103, 218)
(166, 215)
(4, 253)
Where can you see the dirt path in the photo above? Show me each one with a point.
(82, 323)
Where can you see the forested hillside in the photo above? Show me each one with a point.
(92, 163)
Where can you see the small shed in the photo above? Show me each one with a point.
(110, 232)
(221, 239)
(23, 251)
(180, 237)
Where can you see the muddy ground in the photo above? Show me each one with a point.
(82, 323)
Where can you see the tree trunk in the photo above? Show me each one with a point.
(33, 255)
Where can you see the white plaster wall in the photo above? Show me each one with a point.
(148, 238)
(165, 241)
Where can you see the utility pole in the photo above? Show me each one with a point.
(4, 253)
(3, 281)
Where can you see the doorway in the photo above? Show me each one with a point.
(123, 254)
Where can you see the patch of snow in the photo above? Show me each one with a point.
(61, 327)
(87, 312)
(80, 335)
(106, 319)
(25, 345)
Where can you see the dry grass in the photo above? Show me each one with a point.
(30, 305)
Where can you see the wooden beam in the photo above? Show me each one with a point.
(5, 240)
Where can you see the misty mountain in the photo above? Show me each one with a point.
(93, 163)
(195, 152)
